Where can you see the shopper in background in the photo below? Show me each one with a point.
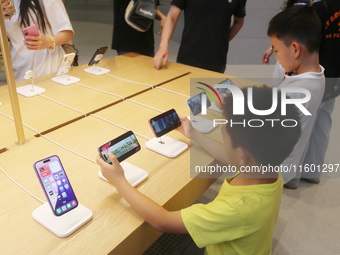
(279, 72)
(241, 219)
(329, 14)
(126, 39)
(41, 53)
(295, 35)
(207, 31)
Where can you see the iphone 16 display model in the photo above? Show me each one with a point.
(66, 63)
(165, 122)
(195, 103)
(31, 31)
(56, 185)
(97, 56)
(122, 147)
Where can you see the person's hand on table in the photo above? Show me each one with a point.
(161, 57)
(113, 173)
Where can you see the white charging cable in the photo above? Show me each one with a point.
(65, 105)
(119, 78)
(117, 125)
(100, 90)
(20, 186)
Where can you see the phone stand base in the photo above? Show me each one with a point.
(30, 90)
(214, 108)
(97, 70)
(202, 125)
(134, 175)
(166, 146)
(65, 224)
(65, 79)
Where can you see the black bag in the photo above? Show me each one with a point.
(140, 14)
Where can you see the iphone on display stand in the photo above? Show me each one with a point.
(165, 145)
(195, 103)
(97, 56)
(63, 214)
(223, 91)
(30, 90)
(64, 67)
(123, 147)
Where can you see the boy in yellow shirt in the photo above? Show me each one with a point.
(241, 219)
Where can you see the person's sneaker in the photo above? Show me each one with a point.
(291, 185)
(311, 180)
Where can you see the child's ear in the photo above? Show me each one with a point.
(296, 48)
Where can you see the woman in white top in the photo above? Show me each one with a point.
(41, 53)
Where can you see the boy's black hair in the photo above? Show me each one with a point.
(297, 23)
(268, 145)
(290, 3)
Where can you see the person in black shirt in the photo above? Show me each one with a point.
(207, 32)
(126, 39)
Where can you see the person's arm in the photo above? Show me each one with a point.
(158, 217)
(213, 147)
(7, 8)
(235, 27)
(162, 54)
(266, 55)
(161, 18)
(44, 42)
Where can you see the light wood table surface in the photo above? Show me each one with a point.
(115, 227)
(61, 104)
(140, 69)
(8, 135)
(183, 84)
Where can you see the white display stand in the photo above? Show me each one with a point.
(30, 90)
(134, 175)
(65, 224)
(214, 108)
(202, 125)
(166, 146)
(97, 70)
(65, 79)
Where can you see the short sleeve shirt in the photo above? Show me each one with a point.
(41, 61)
(205, 36)
(240, 220)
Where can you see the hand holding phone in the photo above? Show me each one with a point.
(56, 185)
(8, 8)
(31, 31)
(122, 147)
(164, 123)
(97, 56)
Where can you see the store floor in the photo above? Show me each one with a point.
(308, 222)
